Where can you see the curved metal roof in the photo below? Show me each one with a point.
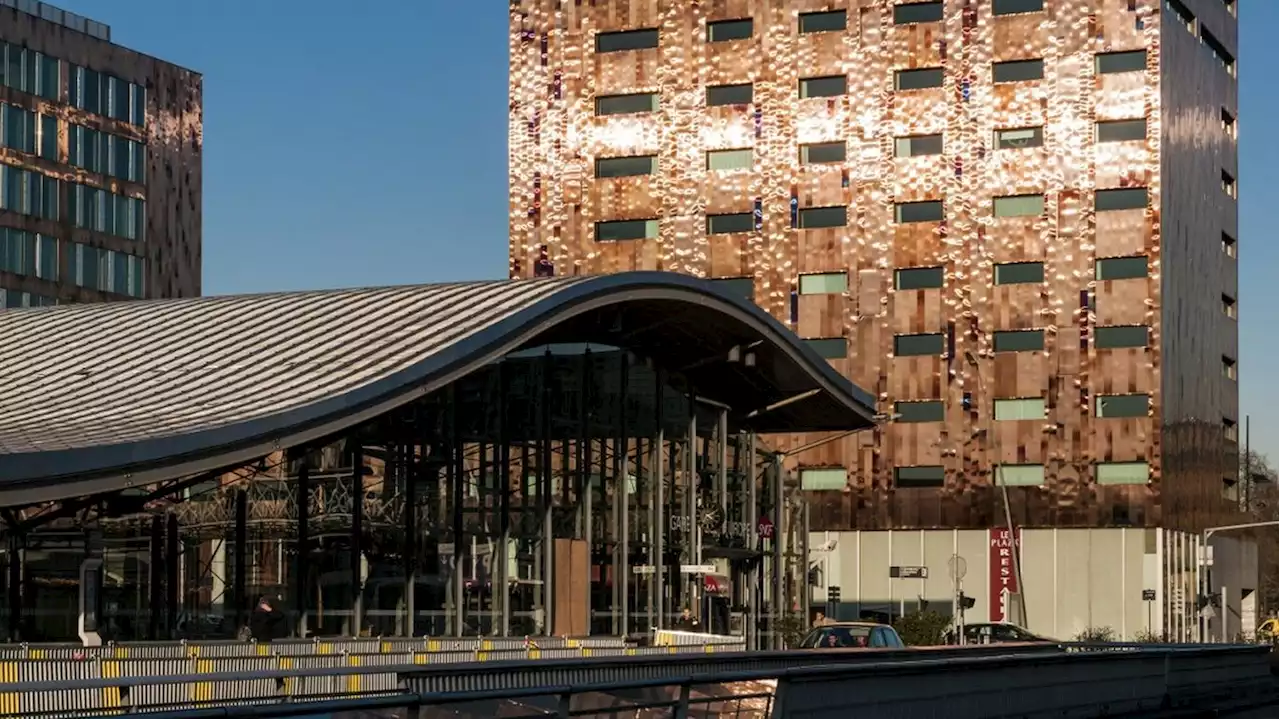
(104, 389)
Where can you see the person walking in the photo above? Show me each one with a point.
(688, 622)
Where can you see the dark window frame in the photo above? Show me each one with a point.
(922, 74)
(924, 8)
(1118, 199)
(930, 477)
(1012, 70)
(1103, 400)
(1016, 341)
(818, 21)
(750, 225)
(1015, 7)
(1121, 268)
(931, 144)
(912, 272)
(733, 286)
(1115, 63)
(901, 209)
(1013, 268)
(1120, 130)
(934, 338)
(825, 346)
(725, 91)
(817, 212)
(620, 162)
(919, 411)
(820, 81)
(731, 24)
(1036, 140)
(627, 40)
(601, 100)
(643, 222)
(1111, 337)
(807, 158)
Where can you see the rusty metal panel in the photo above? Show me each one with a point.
(174, 136)
(555, 136)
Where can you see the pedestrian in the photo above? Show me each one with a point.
(688, 622)
(267, 623)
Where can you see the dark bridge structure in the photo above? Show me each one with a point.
(565, 456)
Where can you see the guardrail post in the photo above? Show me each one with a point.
(564, 709)
(682, 704)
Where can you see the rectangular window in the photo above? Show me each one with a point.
(928, 211)
(812, 218)
(1018, 138)
(916, 145)
(829, 347)
(1229, 431)
(1228, 184)
(1109, 63)
(104, 94)
(1019, 273)
(1121, 472)
(926, 411)
(49, 138)
(1018, 341)
(1228, 123)
(626, 104)
(1120, 198)
(1020, 409)
(917, 79)
(626, 166)
(739, 159)
(918, 477)
(830, 86)
(833, 21)
(1120, 336)
(726, 30)
(917, 345)
(627, 40)
(826, 479)
(1219, 51)
(718, 95)
(731, 222)
(826, 283)
(1184, 16)
(1228, 368)
(1228, 245)
(615, 230)
(1121, 130)
(741, 287)
(1018, 206)
(1122, 405)
(821, 153)
(918, 278)
(1017, 71)
(103, 211)
(917, 12)
(1229, 306)
(1120, 268)
(1019, 475)
(1011, 7)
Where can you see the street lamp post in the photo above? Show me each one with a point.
(1202, 623)
(997, 474)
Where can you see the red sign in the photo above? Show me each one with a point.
(1004, 576)
(765, 527)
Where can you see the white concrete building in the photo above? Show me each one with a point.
(1130, 580)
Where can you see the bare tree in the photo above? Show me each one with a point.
(1260, 500)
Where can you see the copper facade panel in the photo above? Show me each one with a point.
(555, 137)
(173, 134)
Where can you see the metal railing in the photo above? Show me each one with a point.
(149, 684)
(1137, 681)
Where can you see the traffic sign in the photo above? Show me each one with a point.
(909, 572)
(697, 568)
(1148, 595)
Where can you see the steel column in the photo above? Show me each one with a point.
(545, 497)
(693, 537)
(453, 475)
(722, 476)
(302, 563)
(174, 571)
(622, 495)
(155, 578)
(357, 527)
(777, 610)
(240, 556)
(16, 561)
(503, 591)
(413, 473)
(659, 539)
(753, 544)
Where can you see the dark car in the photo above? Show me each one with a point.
(1000, 633)
(852, 635)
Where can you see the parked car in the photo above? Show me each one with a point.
(852, 635)
(999, 633)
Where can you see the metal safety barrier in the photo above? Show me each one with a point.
(1138, 681)
(134, 685)
(300, 647)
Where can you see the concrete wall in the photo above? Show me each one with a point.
(1074, 578)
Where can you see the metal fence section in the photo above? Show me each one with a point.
(1139, 681)
(148, 684)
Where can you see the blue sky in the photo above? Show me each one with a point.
(350, 144)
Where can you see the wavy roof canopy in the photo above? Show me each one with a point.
(99, 397)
